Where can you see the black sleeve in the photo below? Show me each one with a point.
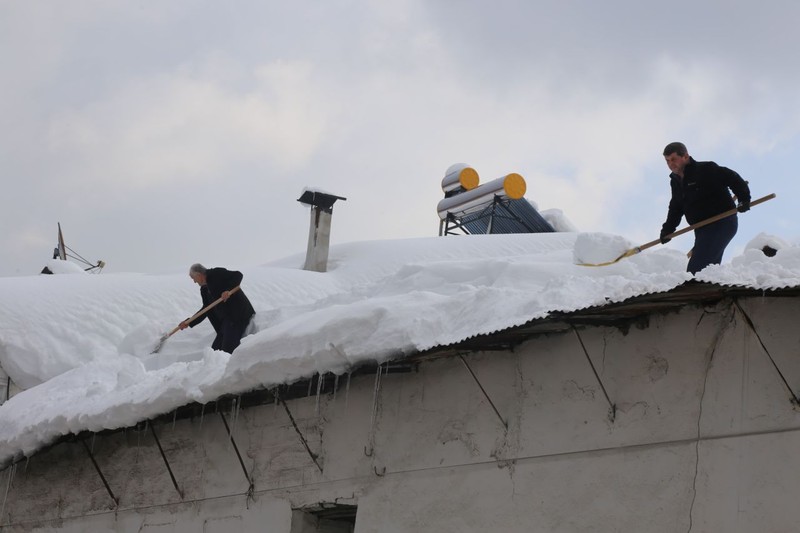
(735, 183)
(230, 279)
(218, 280)
(204, 297)
(674, 212)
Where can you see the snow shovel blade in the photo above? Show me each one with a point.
(627, 253)
(200, 313)
(163, 339)
(634, 251)
(160, 344)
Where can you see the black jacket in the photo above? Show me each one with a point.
(703, 193)
(236, 309)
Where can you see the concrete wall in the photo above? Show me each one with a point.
(703, 438)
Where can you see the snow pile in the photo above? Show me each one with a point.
(557, 219)
(599, 248)
(59, 266)
(82, 345)
(768, 262)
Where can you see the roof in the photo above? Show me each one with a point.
(82, 344)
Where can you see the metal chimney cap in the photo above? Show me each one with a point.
(319, 199)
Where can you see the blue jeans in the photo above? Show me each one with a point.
(710, 242)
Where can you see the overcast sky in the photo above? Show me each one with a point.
(160, 134)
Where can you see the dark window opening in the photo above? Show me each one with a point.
(324, 518)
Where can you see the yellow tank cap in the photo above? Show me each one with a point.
(468, 178)
(514, 186)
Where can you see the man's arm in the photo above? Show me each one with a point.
(739, 186)
(205, 298)
(230, 279)
(674, 215)
(221, 281)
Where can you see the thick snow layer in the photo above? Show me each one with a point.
(599, 248)
(59, 266)
(81, 345)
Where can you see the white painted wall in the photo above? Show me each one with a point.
(704, 436)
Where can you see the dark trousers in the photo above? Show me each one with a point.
(229, 335)
(710, 242)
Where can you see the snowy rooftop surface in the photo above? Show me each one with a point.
(81, 344)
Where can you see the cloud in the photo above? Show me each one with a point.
(157, 120)
(180, 127)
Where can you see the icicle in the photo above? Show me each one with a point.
(235, 407)
(275, 403)
(335, 386)
(320, 381)
(11, 470)
(347, 390)
(138, 440)
(174, 418)
(368, 450)
(202, 412)
(310, 382)
(27, 460)
(231, 423)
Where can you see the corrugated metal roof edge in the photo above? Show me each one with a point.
(624, 314)
(634, 311)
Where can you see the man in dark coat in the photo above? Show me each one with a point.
(229, 318)
(700, 190)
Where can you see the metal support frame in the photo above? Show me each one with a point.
(485, 394)
(451, 223)
(792, 396)
(612, 413)
(491, 210)
(166, 462)
(311, 454)
(11, 471)
(251, 483)
(100, 473)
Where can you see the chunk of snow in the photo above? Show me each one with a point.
(557, 219)
(599, 248)
(59, 266)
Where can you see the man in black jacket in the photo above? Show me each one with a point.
(231, 317)
(700, 190)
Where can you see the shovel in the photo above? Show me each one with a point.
(634, 251)
(200, 313)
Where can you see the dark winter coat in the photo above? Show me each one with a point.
(237, 309)
(702, 193)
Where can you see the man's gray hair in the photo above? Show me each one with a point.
(197, 268)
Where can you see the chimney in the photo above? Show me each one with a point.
(319, 232)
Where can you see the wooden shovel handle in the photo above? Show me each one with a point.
(703, 223)
(201, 312)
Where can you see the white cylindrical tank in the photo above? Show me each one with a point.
(460, 175)
(509, 186)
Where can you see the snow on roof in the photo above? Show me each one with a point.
(80, 345)
(59, 266)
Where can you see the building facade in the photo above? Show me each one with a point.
(642, 417)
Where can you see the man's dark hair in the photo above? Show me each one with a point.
(675, 148)
(197, 268)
